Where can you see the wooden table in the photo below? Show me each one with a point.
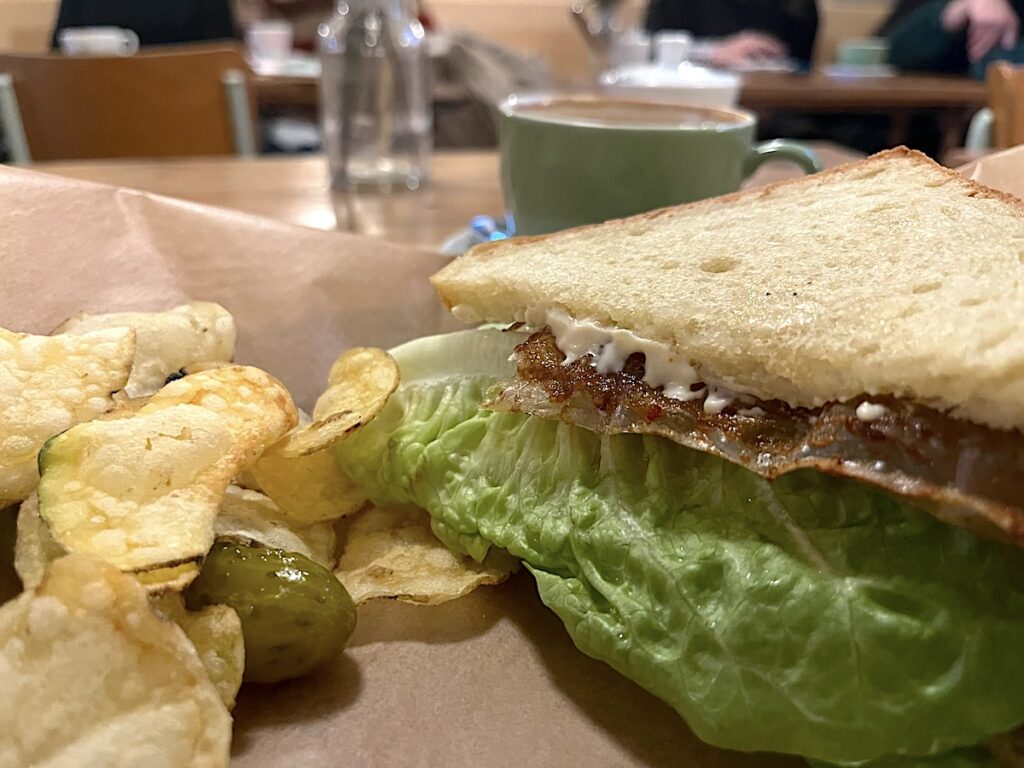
(814, 92)
(295, 189)
(953, 99)
(276, 91)
(818, 91)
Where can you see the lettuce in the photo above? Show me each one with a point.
(959, 758)
(812, 615)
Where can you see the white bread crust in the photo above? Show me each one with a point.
(889, 276)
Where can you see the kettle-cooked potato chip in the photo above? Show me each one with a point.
(251, 517)
(34, 548)
(170, 578)
(216, 633)
(390, 552)
(308, 489)
(143, 492)
(166, 341)
(255, 405)
(298, 472)
(361, 381)
(92, 676)
(323, 433)
(48, 384)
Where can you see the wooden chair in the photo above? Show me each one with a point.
(1005, 83)
(182, 100)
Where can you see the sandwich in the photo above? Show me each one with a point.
(762, 454)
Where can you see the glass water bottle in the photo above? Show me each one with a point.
(375, 105)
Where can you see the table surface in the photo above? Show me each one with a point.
(761, 90)
(295, 190)
(818, 90)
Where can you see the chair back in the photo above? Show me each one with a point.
(163, 102)
(1005, 84)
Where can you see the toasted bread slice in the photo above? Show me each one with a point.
(888, 276)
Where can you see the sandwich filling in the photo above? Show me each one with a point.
(964, 473)
(808, 614)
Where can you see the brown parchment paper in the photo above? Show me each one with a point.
(1001, 170)
(489, 680)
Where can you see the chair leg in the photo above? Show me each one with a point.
(237, 93)
(10, 122)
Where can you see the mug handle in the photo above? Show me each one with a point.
(130, 43)
(786, 151)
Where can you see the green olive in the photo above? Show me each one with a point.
(10, 584)
(295, 613)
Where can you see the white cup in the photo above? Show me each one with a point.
(269, 40)
(97, 41)
(632, 47)
(672, 48)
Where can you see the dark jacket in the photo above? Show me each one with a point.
(156, 22)
(794, 22)
(906, 7)
(919, 43)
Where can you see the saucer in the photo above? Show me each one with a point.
(859, 70)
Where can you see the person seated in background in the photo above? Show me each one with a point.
(304, 16)
(746, 30)
(954, 36)
(156, 22)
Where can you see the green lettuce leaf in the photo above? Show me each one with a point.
(958, 758)
(812, 615)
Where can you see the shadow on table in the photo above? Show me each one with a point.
(644, 725)
(328, 690)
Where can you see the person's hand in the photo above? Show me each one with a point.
(745, 47)
(989, 23)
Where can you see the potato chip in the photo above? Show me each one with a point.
(216, 634)
(124, 407)
(48, 384)
(198, 367)
(34, 549)
(246, 479)
(390, 552)
(321, 434)
(251, 517)
(360, 381)
(173, 578)
(143, 492)
(308, 489)
(298, 472)
(254, 404)
(166, 341)
(92, 676)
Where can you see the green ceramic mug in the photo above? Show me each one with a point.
(571, 160)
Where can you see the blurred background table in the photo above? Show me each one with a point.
(816, 91)
(819, 91)
(295, 190)
(953, 99)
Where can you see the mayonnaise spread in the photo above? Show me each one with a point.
(611, 348)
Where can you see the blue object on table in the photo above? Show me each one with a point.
(487, 228)
(481, 229)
